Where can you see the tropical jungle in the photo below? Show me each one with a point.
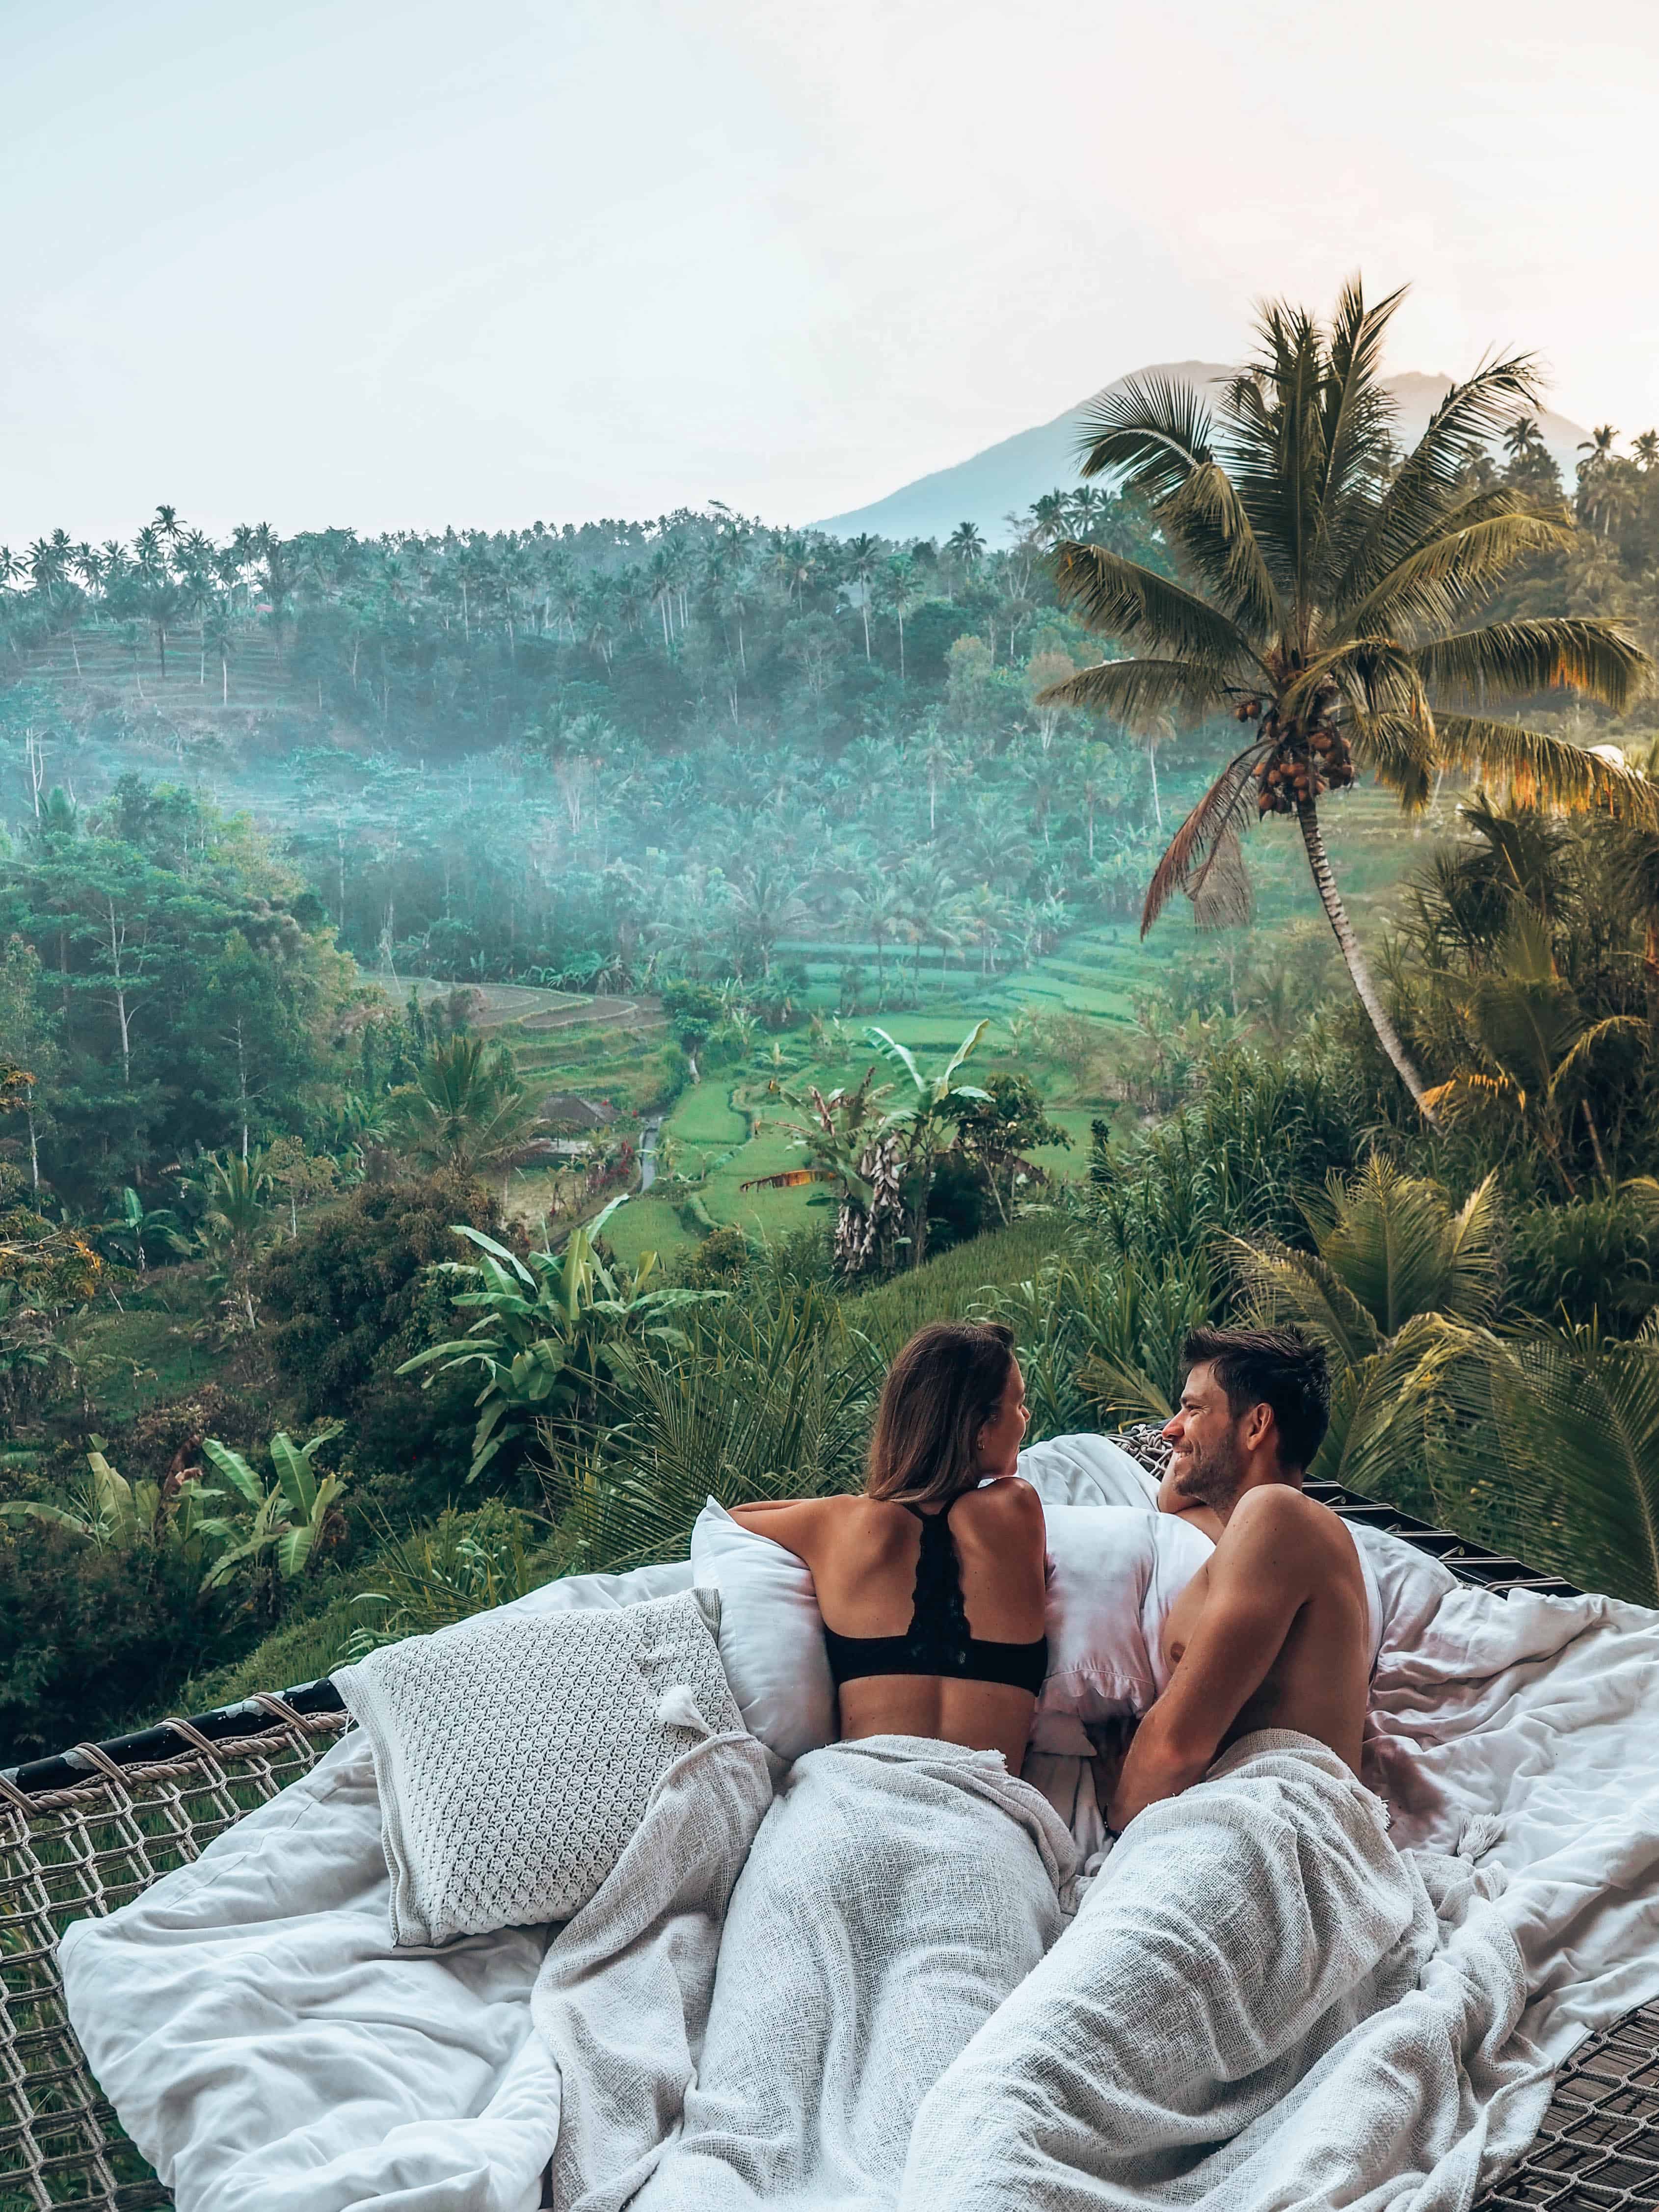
(502, 1036)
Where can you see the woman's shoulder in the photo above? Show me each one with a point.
(1008, 1500)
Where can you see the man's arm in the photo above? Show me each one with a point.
(1260, 1578)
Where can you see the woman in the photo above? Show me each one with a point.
(931, 1584)
(905, 1879)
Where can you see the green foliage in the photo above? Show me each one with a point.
(350, 1299)
(1099, 1338)
(996, 1129)
(465, 1563)
(164, 969)
(548, 1330)
(1397, 1288)
(137, 1234)
(465, 1112)
(882, 1159)
(236, 1226)
(285, 1527)
(950, 1287)
(1578, 1417)
(1594, 1259)
(1526, 971)
(718, 1261)
(763, 1402)
(1262, 1132)
(92, 1637)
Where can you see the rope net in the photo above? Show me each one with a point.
(68, 1853)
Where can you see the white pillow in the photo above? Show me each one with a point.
(1087, 1470)
(771, 1635)
(1115, 1572)
(515, 1756)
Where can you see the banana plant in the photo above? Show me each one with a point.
(108, 1510)
(918, 1132)
(289, 1518)
(137, 1230)
(883, 1157)
(545, 1327)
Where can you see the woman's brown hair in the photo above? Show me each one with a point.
(941, 1390)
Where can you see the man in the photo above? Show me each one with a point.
(1253, 1910)
(1275, 1631)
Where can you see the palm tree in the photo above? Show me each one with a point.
(765, 904)
(1532, 1047)
(1323, 586)
(1597, 449)
(901, 593)
(1523, 438)
(873, 910)
(966, 545)
(1398, 1289)
(465, 1110)
(938, 761)
(926, 891)
(1645, 450)
(216, 636)
(1578, 1417)
(863, 556)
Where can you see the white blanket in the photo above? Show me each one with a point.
(268, 2051)
(1262, 2005)
(898, 1890)
(623, 1997)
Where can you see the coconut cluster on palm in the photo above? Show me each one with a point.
(1328, 595)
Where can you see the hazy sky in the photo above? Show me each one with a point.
(405, 262)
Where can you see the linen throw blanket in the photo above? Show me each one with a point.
(896, 1892)
(1261, 2003)
(270, 2052)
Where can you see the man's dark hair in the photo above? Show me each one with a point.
(1270, 1367)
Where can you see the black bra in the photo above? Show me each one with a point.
(937, 1641)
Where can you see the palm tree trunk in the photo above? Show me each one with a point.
(1347, 944)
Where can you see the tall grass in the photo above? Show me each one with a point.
(950, 1287)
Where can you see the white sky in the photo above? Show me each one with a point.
(405, 262)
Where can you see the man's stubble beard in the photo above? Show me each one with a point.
(1213, 1477)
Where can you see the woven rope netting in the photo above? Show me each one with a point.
(67, 1853)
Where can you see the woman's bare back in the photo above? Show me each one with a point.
(863, 1553)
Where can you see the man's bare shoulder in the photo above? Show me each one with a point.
(1281, 1515)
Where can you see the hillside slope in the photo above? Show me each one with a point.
(1007, 477)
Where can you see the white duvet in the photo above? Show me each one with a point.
(897, 1892)
(1263, 2006)
(268, 2052)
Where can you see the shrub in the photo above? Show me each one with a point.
(719, 1262)
(353, 1298)
(92, 1638)
(1597, 1258)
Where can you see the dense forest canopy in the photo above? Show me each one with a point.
(357, 893)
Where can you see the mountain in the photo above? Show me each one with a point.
(1008, 476)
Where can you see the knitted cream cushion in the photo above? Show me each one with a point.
(515, 1754)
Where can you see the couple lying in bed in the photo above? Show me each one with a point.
(896, 1928)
